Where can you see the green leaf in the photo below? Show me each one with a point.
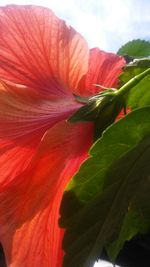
(131, 225)
(139, 95)
(134, 68)
(104, 207)
(136, 48)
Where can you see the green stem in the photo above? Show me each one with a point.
(131, 83)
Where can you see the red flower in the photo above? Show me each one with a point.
(42, 63)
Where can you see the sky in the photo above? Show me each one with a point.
(107, 24)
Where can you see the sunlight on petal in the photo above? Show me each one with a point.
(49, 59)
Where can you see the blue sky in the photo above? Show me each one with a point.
(107, 24)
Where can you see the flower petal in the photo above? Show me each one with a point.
(24, 118)
(39, 50)
(104, 69)
(29, 208)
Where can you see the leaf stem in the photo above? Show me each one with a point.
(131, 83)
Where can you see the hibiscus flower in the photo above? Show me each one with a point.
(43, 64)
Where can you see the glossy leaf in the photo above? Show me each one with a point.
(103, 208)
(136, 48)
(134, 68)
(139, 96)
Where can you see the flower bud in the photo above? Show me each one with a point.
(102, 109)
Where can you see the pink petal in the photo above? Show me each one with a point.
(29, 207)
(104, 69)
(39, 50)
(24, 118)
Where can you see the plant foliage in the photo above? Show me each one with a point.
(107, 202)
